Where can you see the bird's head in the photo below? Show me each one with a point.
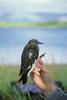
(34, 42)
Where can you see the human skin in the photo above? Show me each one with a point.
(42, 78)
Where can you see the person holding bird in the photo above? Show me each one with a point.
(40, 75)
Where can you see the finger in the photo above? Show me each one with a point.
(35, 72)
(37, 65)
(40, 61)
(37, 69)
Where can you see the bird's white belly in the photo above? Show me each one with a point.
(33, 66)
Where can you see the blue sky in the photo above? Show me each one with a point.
(28, 10)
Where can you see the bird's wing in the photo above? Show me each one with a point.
(28, 59)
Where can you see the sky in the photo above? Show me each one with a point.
(12, 40)
(32, 10)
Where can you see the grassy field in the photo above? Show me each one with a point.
(51, 24)
(9, 73)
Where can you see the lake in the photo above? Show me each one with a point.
(13, 40)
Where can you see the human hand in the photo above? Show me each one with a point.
(41, 77)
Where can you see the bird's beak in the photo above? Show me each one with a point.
(40, 43)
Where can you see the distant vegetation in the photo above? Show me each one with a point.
(10, 73)
(34, 24)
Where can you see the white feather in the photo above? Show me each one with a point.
(33, 66)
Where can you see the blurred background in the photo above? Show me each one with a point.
(22, 20)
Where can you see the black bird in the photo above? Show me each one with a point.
(29, 55)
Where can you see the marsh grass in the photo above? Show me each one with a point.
(9, 73)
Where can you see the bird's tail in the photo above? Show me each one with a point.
(23, 78)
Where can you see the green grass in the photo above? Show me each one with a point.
(50, 24)
(10, 73)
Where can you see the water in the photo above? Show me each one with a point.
(12, 41)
